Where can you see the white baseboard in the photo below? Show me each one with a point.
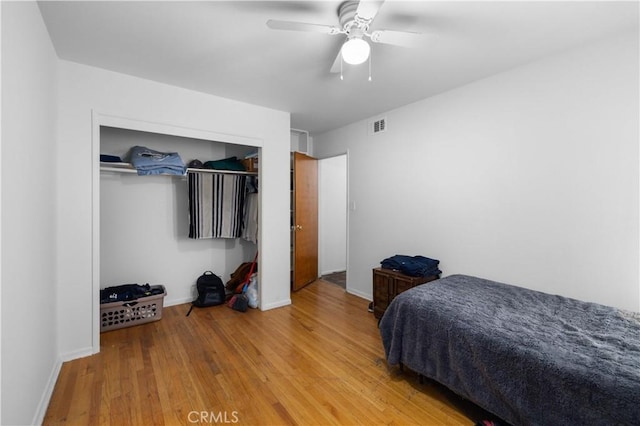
(275, 305)
(333, 271)
(172, 302)
(41, 411)
(367, 296)
(266, 307)
(80, 353)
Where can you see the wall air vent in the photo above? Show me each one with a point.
(379, 126)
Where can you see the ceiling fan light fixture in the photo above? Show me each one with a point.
(355, 51)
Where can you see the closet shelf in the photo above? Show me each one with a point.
(128, 168)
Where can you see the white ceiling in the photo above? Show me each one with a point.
(225, 48)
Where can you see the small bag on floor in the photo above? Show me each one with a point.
(240, 302)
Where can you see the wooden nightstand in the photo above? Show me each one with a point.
(388, 283)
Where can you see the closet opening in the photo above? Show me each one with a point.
(144, 231)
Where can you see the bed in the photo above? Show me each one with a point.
(528, 357)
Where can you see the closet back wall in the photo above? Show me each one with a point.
(144, 220)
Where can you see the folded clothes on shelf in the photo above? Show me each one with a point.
(231, 163)
(151, 162)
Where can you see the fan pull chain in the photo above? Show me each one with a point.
(370, 67)
(341, 61)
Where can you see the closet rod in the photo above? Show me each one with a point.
(128, 168)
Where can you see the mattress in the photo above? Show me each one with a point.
(526, 356)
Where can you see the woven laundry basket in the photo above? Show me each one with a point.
(116, 315)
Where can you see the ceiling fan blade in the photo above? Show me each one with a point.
(368, 9)
(301, 26)
(397, 38)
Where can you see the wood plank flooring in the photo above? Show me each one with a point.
(319, 361)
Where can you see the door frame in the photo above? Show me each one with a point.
(348, 214)
(99, 120)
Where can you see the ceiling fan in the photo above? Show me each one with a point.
(355, 18)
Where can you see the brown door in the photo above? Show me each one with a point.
(305, 220)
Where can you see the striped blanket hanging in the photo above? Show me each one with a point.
(216, 205)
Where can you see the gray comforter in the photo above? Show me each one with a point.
(526, 356)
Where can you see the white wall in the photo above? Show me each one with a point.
(83, 90)
(30, 359)
(144, 220)
(332, 214)
(528, 177)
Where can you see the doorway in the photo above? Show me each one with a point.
(332, 219)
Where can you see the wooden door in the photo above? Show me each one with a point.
(305, 220)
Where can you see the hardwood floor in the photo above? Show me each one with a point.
(318, 361)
